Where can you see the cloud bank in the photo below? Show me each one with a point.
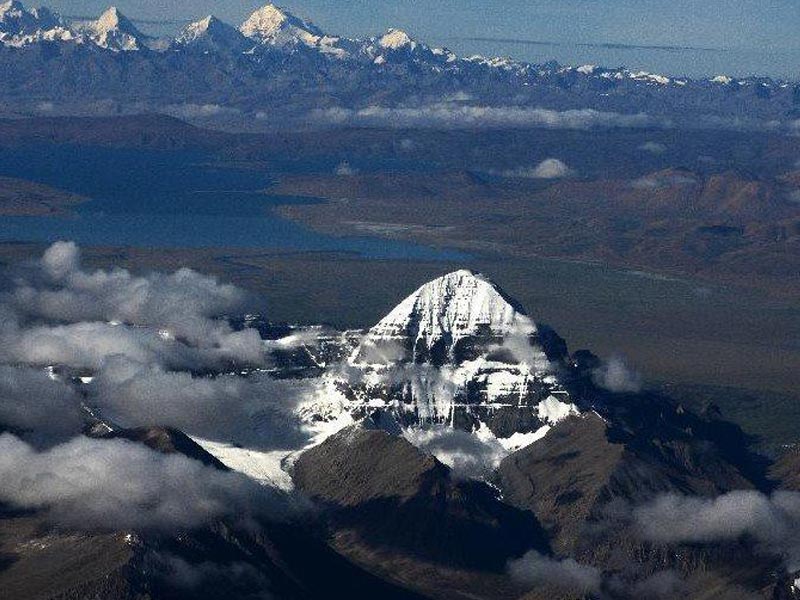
(60, 313)
(456, 115)
(255, 411)
(772, 521)
(34, 405)
(117, 485)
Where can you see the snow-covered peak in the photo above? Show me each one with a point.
(458, 305)
(203, 26)
(111, 19)
(722, 79)
(12, 10)
(650, 77)
(20, 26)
(15, 19)
(114, 31)
(395, 39)
(396, 46)
(274, 25)
(210, 35)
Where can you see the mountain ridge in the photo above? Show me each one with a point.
(278, 65)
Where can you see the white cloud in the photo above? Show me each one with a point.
(36, 406)
(653, 147)
(658, 181)
(550, 168)
(568, 575)
(469, 455)
(255, 411)
(182, 309)
(615, 376)
(457, 115)
(200, 111)
(773, 521)
(116, 485)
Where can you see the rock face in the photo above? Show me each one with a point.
(388, 503)
(283, 559)
(585, 477)
(167, 441)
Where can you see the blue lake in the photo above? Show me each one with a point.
(172, 200)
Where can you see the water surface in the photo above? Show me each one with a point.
(172, 200)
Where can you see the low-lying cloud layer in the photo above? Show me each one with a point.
(134, 351)
(772, 521)
(59, 313)
(201, 111)
(450, 114)
(119, 485)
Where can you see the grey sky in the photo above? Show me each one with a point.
(758, 36)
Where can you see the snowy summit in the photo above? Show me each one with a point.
(114, 31)
(395, 39)
(210, 35)
(458, 305)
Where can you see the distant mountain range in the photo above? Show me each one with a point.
(277, 66)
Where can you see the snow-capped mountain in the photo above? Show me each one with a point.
(277, 27)
(114, 31)
(426, 484)
(282, 62)
(211, 35)
(398, 46)
(458, 352)
(437, 322)
(15, 19)
(20, 26)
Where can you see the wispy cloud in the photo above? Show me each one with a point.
(459, 115)
(600, 45)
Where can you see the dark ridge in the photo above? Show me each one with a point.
(168, 441)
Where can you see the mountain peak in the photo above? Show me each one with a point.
(395, 39)
(458, 305)
(112, 18)
(210, 34)
(270, 23)
(114, 31)
(11, 6)
(18, 21)
(206, 22)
